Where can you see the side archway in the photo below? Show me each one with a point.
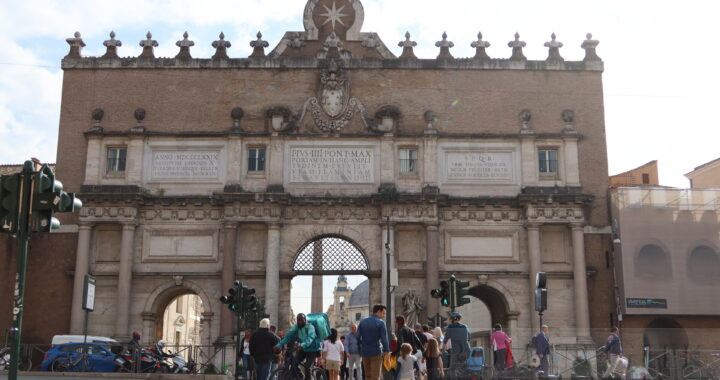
(159, 300)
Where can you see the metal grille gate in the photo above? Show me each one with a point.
(330, 254)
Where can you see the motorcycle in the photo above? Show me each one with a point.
(125, 362)
(4, 358)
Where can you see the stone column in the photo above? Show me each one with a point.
(124, 282)
(432, 271)
(512, 326)
(582, 313)
(535, 266)
(316, 300)
(148, 319)
(82, 265)
(228, 276)
(272, 272)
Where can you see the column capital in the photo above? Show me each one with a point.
(513, 315)
(533, 225)
(148, 316)
(129, 224)
(274, 225)
(84, 225)
(230, 225)
(577, 226)
(432, 226)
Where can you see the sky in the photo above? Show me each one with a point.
(660, 79)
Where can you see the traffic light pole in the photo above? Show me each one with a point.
(238, 320)
(19, 294)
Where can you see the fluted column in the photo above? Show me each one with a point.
(535, 266)
(228, 275)
(124, 282)
(272, 273)
(582, 313)
(432, 271)
(82, 265)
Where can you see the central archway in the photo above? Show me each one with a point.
(328, 259)
(330, 255)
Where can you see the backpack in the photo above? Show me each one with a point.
(321, 322)
(533, 341)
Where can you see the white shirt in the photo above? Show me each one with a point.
(246, 347)
(333, 350)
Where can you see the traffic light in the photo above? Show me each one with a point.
(233, 298)
(541, 292)
(45, 197)
(9, 203)
(461, 292)
(48, 198)
(249, 301)
(443, 293)
(437, 320)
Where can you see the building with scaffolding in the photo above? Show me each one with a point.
(667, 267)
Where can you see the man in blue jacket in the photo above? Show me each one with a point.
(306, 339)
(542, 349)
(373, 338)
(614, 350)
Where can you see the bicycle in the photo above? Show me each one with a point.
(290, 369)
(696, 369)
(24, 365)
(68, 364)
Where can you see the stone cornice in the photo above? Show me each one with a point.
(284, 63)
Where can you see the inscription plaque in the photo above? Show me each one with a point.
(472, 166)
(332, 165)
(185, 165)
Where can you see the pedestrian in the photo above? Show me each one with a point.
(373, 339)
(542, 349)
(275, 359)
(352, 353)
(438, 334)
(134, 347)
(405, 335)
(406, 363)
(613, 348)
(426, 331)
(261, 347)
(458, 335)
(246, 357)
(333, 353)
(303, 335)
(433, 360)
(500, 342)
(343, 363)
(423, 341)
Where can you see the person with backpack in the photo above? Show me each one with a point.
(542, 348)
(261, 349)
(406, 335)
(306, 340)
(457, 335)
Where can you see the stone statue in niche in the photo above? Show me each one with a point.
(411, 308)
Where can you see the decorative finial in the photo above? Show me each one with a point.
(568, 117)
(589, 45)
(237, 113)
(76, 44)
(407, 45)
(480, 47)
(184, 45)
(112, 44)
(517, 46)
(295, 40)
(525, 116)
(148, 46)
(258, 47)
(139, 118)
(444, 46)
(221, 47)
(554, 53)
(97, 116)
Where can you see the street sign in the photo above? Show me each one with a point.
(89, 293)
(647, 303)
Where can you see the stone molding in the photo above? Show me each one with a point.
(284, 63)
(555, 214)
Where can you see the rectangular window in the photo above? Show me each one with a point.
(179, 305)
(358, 316)
(408, 160)
(646, 178)
(116, 160)
(256, 160)
(547, 159)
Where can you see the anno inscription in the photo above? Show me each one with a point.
(332, 165)
(479, 166)
(185, 165)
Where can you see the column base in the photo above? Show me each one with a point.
(225, 340)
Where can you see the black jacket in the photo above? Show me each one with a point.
(405, 335)
(261, 345)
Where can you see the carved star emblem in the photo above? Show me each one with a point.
(333, 15)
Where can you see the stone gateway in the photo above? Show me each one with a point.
(283, 162)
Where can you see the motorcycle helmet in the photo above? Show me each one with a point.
(455, 315)
(161, 344)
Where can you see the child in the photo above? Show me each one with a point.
(406, 363)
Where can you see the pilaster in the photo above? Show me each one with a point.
(535, 266)
(82, 265)
(124, 282)
(582, 312)
(272, 272)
